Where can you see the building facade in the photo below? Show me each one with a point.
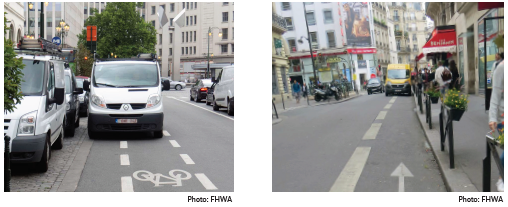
(381, 12)
(281, 86)
(15, 20)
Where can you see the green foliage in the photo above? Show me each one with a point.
(499, 41)
(455, 100)
(432, 92)
(121, 30)
(84, 66)
(12, 74)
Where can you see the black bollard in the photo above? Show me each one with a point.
(7, 165)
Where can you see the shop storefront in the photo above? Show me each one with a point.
(330, 67)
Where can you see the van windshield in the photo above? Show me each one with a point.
(33, 78)
(398, 74)
(126, 75)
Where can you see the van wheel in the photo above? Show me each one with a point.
(230, 109)
(43, 165)
(178, 87)
(157, 134)
(91, 134)
(215, 107)
(207, 102)
(70, 129)
(59, 142)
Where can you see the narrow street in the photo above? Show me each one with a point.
(354, 146)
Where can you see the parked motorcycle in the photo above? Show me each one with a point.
(324, 94)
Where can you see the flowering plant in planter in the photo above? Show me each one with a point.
(432, 92)
(455, 100)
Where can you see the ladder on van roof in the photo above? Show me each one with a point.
(38, 47)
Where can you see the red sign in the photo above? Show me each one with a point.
(441, 41)
(91, 33)
(362, 51)
(489, 5)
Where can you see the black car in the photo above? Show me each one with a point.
(72, 102)
(200, 89)
(375, 85)
(83, 98)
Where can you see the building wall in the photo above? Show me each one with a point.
(15, 14)
(280, 67)
(73, 16)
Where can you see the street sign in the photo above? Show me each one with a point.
(57, 40)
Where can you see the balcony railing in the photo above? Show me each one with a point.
(398, 33)
(279, 21)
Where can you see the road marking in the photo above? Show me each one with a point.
(346, 182)
(123, 144)
(401, 171)
(187, 159)
(124, 159)
(382, 115)
(202, 108)
(174, 143)
(205, 181)
(388, 106)
(372, 132)
(166, 133)
(127, 184)
(393, 99)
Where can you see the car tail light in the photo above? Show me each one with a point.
(203, 89)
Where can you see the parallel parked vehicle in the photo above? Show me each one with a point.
(223, 93)
(200, 89)
(72, 102)
(209, 94)
(83, 98)
(177, 85)
(37, 123)
(375, 85)
(126, 96)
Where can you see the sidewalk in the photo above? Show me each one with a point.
(469, 147)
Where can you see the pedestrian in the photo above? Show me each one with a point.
(296, 91)
(443, 77)
(499, 58)
(304, 90)
(496, 110)
(455, 83)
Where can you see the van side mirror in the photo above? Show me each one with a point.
(165, 85)
(59, 96)
(86, 85)
(78, 91)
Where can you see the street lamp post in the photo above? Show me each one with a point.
(62, 30)
(208, 53)
(310, 44)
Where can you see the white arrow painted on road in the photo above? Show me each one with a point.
(401, 171)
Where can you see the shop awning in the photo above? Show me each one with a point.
(443, 40)
(419, 57)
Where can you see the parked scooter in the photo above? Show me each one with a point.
(324, 94)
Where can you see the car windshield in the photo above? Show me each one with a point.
(79, 82)
(68, 84)
(373, 81)
(33, 78)
(126, 75)
(207, 83)
(398, 74)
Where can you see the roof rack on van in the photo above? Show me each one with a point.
(38, 45)
(139, 57)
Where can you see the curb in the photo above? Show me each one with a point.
(276, 121)
(456, 180)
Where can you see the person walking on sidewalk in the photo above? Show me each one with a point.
(443, 77)
(496, 110)
(455, 83)
(296, 91)
(499, 58)
(304, 90)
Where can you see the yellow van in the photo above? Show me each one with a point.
(398, 79)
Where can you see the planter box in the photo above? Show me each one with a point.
(457, 114)
(434, 100)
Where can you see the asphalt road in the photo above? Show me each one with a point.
(336, 148)
(198, 145)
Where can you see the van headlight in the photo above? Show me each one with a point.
(98, 101)
(153, 100)
(27, 124)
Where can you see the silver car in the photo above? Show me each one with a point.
(177, 85)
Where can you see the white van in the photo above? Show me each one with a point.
(37, 122)
(126, 96)
(224, 90)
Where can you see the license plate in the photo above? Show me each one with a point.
(398, 90)
(126, 121)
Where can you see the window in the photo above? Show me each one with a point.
(233, 16)
(182, 51)
(289, 23)
(153, 23)
(224, 17)
(224, 33)
(412, 16)
(194, 36)
(191, 20)
(86, 10)
(397, 27)
(172, 7)
(91, 11)
(190, 48)
(398, 44)
(49, 24)
(331, 39)
(313, 40)
(195, 19)
(292, 45)
(233, 33)
(186, 36)
(309, 3)
(171, 21)
(153, 10)
(183, 5)
(160, 52)
(187, 5)
(190, 36)
(400, 60)
(183, 36)
(186, 50)
(286, 6)
(414, 37)
(170, 37)
(232, 48)
(160, 39)
(163, 7)
(170, 51)
(194, 50)
(225, 3)
(328, 17)
(310, 18)
(187, 19)
(452, 9)
(195, 5)
(191, 6)
(224, 49)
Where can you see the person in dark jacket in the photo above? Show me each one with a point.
(455, 75)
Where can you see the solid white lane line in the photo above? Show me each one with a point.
(124, 159)
(205, 181)
(127, 184)
(372, 132)
(346, 182)
(166, 133)
(123, 144)
(183, 97)
(174, 143)
(393, 99)
(382, 115)
(388, 106)
(202, 108)
(187, 159)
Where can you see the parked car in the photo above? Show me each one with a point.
(200, 89)
(126, 96)
(72, 102)
(209, 94)
(83, 98)
(37, 122)
(224, 90)
(375, 85)
(177, 85)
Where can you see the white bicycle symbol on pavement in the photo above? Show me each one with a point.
(155, 178)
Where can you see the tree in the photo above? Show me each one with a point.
(12, 74)
(84, 66)
(121, 30)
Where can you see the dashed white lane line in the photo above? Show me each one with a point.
(124, 159)
(201, 108)
(127, 184)
(372, 132)
(174, 143)
(388, 106)
(348, 178)
(393, 99)
(123, 144)
(205, 181)
(187, 159)
(382, 115)
(166, 133)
